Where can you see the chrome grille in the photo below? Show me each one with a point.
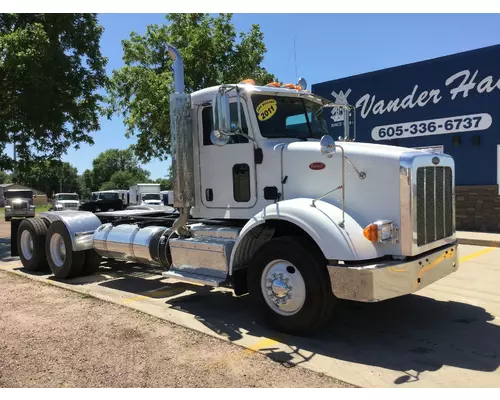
(434, 204)
(20, 206)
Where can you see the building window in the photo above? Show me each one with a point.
(476, 140)
(457, 140)
(241, 183)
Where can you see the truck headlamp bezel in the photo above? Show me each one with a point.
(382, 231)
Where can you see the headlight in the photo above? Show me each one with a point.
(382, 232)
(32, 207)
(59, 205)
(8, 207)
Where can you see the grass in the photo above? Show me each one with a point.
(38, 209)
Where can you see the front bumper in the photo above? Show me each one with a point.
(19, 213)
(376, 282)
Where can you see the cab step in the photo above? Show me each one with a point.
(189, 277)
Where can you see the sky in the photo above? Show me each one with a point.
(327, 46)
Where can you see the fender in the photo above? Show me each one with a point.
(322, 224)
(80, 225)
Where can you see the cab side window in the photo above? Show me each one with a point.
(208, 125)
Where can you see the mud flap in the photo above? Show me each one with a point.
(14, 226)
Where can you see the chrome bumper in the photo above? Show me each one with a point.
(20, 213)
(376, 282)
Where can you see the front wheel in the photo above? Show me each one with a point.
(290, 287)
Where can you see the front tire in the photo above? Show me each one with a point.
(63, 261)
(290, 287)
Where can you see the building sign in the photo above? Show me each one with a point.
(425, 104)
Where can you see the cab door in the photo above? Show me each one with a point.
(227, 172)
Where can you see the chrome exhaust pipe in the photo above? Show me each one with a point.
(181, 146)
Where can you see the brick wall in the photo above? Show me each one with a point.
(477, 208)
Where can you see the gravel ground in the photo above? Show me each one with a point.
(50, 337)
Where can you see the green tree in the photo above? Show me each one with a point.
(5, 177)
(166, 183)
(111, 161)
(51, 70)
(213, 53)
(50, 177)
(85, 183)
(124, 179)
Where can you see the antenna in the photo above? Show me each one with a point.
(295, 58)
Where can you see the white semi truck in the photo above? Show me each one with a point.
(146, 194)
(270, 205)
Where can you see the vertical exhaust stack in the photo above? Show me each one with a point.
(181, 145)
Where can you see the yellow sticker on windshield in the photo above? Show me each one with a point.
(266, 109)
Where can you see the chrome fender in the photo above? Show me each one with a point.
(322, 223)
(81, 226)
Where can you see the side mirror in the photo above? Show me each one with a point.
(327, 145)
(222, 114)
(223, 126)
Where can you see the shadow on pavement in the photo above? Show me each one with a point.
(411, 334)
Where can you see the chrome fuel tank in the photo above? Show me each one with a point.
(129, 242)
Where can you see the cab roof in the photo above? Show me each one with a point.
(205, 95)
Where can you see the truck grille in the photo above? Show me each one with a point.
(434, 204)
(20, 206)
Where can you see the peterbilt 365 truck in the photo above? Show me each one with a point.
(270, 205)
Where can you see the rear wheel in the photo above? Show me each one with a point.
(31, 244)
(290, 287)
(63, 261)
(48, 219)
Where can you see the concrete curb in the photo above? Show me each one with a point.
(479, 242)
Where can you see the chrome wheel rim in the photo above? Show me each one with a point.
(57, 250)
(27, 245)
(283, 287)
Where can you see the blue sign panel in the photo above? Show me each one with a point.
(451, 102)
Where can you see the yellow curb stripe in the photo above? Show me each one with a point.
(132, 299)
(476, 254)
(261, 344)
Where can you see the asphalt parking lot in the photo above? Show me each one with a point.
(447, 335)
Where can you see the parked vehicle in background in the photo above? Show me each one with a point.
(105, 200)
(146, 194)
(167, 197)
(65, 201)
(19, 204)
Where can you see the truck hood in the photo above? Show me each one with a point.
(367, 198)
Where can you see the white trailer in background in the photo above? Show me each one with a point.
(167, 197)
(145, 194)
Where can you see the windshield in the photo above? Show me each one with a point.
(151, 196)
(292, 117)
(19, 194)
(108, 196)
(67, 197)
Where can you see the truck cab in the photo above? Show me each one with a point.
(104, 200)
(65, 201)
(19, 204)
(151, 198)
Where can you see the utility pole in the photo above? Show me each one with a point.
(14, 168)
